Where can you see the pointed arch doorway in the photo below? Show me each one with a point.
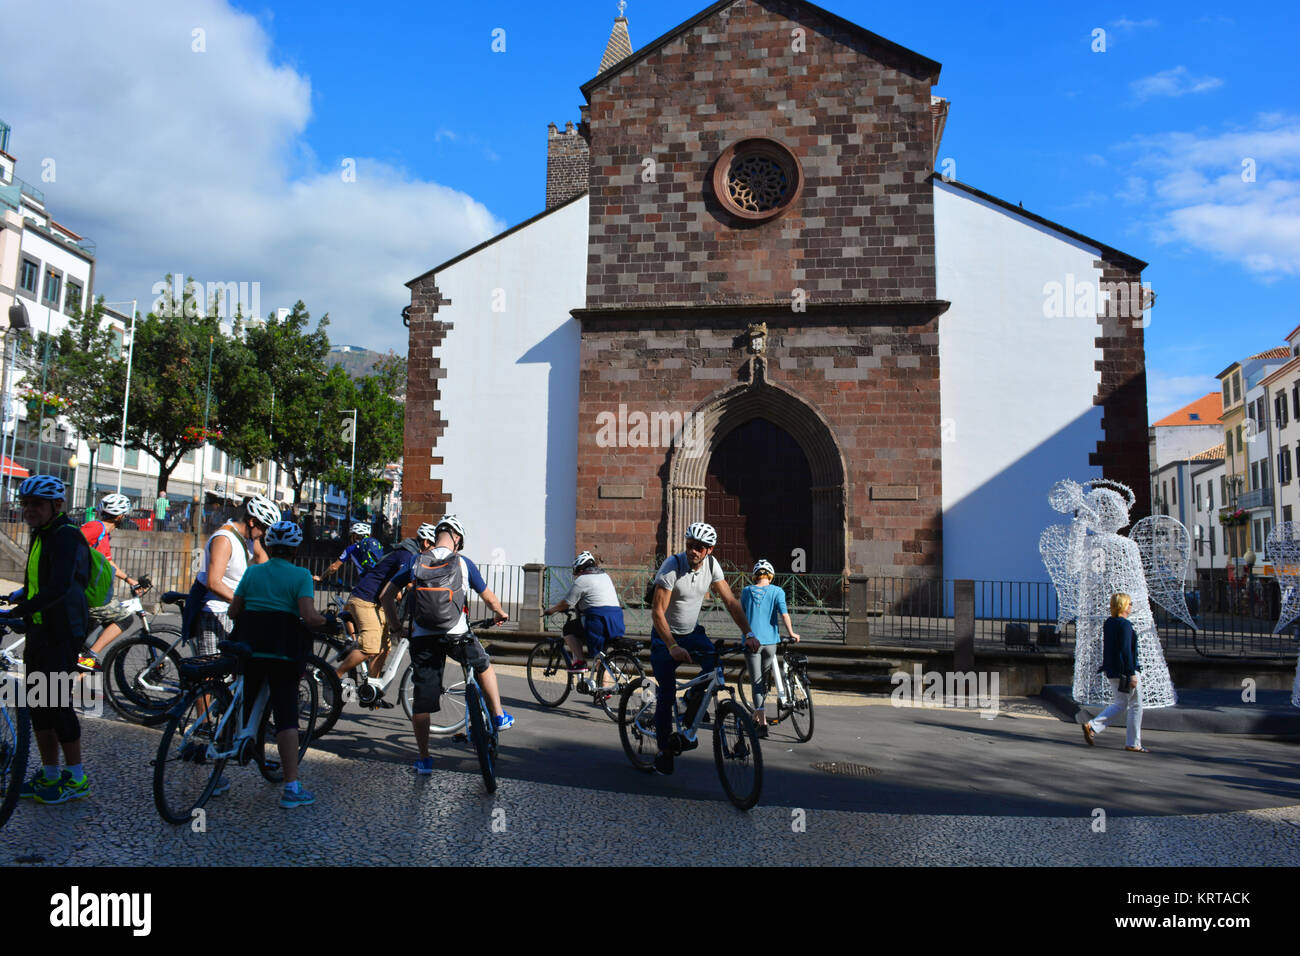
(753, 516)
(758, 494)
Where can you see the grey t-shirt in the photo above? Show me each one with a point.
(592, 590)
(689, 589)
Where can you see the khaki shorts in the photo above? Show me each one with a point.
(369, 621)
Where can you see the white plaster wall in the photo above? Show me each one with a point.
(510, 398)
(1180, 442)
(1208, 518)
(1016, 388)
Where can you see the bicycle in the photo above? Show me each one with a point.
(15, 731)
(736, 750)
(142, 673)
(208, 727)
(483, 733)
(790, 684)
(368, 688)
(551, 681)
(134, 606)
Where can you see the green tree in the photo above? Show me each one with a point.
(169, 390)
(378, 399)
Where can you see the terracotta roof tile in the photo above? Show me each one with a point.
(1210, 454)
(1206, 410)
(1280, 352)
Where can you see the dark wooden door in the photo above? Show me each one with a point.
(758, 496)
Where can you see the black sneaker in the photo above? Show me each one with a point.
(664, 764)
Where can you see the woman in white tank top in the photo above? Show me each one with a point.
(236, 565)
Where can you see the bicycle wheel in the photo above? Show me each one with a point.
(800, 708)
(450, 717)
(548, 673)
(481, 736)
(142, 678)
(329, 691)
(15, 741)
(184, 775)
(268, 761)
(737, 754)
(620, 669)
(636, 723)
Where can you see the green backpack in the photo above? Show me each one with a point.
(100, 586)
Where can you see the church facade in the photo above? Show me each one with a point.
(751, 300)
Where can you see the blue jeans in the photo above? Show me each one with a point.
(665, 670)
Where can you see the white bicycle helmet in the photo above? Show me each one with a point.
(262, 509)
(427, 532)
(115, 504)
(283, 534)
(702, 533)
(584, 560)
(451, 521)
(42, 486)
(361, 528)
(764, 567)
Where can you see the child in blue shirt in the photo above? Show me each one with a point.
(763, 603)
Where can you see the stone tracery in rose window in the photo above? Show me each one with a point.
(757, 183)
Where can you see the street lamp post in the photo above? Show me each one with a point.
(126, 401)
(352, 471)
(17, 321)
(92, 443)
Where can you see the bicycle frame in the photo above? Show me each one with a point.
(716, 682)
(247, 729)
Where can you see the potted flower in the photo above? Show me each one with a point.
(196, 435)
(1229, 517)
(42, 404)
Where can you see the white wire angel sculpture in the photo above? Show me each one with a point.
(1284, 551)
(1088, 561)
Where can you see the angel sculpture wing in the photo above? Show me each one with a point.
(1284, 549)
(1058, 546)
(1165, 547)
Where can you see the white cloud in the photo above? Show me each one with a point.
(1175, 82)
(1127, 25)
(196, 162)
(1167, 393)
(1235, 194)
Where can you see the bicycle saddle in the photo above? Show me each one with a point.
(174, 597)
(236, 649)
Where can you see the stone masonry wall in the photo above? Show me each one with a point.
(855, 113)
(568, 163)
(1123, 454)
(877, 386)
(422, 496)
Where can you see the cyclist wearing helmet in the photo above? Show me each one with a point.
(683, 582)
(593, 594)
(53, 604)
(429, 654)
(365, 553)
(228, 554)
(112, 509)
(271, 604)
(764, 603)
(366, 594)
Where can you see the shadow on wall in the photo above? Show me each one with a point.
(992, 534)
(560, 350)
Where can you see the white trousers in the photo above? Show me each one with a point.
(1124, 701)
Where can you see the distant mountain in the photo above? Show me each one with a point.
(353, 359)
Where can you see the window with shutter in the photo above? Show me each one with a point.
(1295, 401)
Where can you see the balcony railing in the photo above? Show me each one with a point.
(1258, 498)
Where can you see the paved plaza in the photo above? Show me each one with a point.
(938, 787)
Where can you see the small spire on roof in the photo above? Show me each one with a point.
(620, 44)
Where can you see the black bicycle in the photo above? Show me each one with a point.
(609, 672)
(15, 730)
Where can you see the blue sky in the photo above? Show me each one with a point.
(238, 150)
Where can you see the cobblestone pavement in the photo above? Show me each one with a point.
(568, 797)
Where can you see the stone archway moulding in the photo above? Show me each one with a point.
(715, 418)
